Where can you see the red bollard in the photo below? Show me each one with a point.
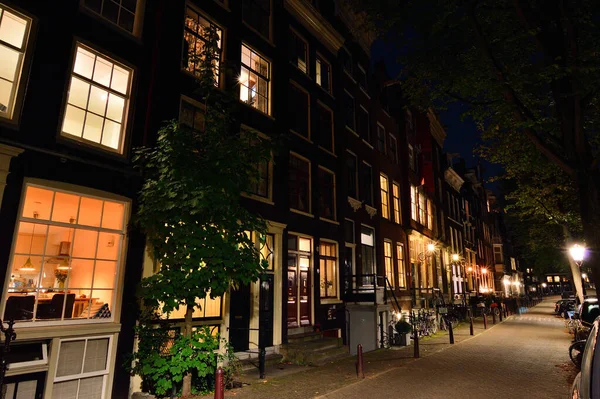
(485, 321)
(219, 393)
(360, 371)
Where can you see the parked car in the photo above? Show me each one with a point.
(587, 382)
(564, 304)
(588, 311)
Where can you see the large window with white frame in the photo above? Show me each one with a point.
(82, 368)
(126, 14)
(385, 195)
(98, 100)
(14, 36)
(328, 264)
(66, 257)
(367, 244)
(255, 76)
(194, 40)
(396, 201)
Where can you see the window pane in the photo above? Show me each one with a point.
(80, 275)
(38, 201)
(66, 207)
(111, 134)
(96, 355)
(70, 358)
(93, 127)
(6, 89)
(73, 123)
(116, 105)
(105, 274)
(65, 390)
(102, 71)
(112, 218)
(79, 92)
(91, 388)
(84, 243)
(120, 80)
(108, 246)
(12, 29)
(90, 211)
(9, 61)
(84, 63)
(97, 103)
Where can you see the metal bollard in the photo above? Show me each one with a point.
(493, 317)
(485, 321)
(262, 356)
(500, 314)
(360, 371)
(416, 353)
(450, 332)
(219, 393)
(471, 325)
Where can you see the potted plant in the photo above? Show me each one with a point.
(61, 276)
(403, 328)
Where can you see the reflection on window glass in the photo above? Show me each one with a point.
(254, 80)
(66, 257)
(194, 39)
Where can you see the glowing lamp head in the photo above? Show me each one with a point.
(544, 285)
(484, 270)
(583, 275)
(577, 252)
(430, 247)
(455, 257)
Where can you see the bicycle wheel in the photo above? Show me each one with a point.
(576, 352)
(497, 311)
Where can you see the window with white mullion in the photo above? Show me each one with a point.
(254, 80)
(98, 99)
(122, 13)
(14, 34)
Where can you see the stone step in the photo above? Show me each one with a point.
(305, 337)
(313, 352)
(271, 360)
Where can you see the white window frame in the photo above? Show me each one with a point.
(306, 70)
(266, 78)
(16, 96)
(319, 59)
(92, 83)
(401, 265)
(138, 19)
(104, 373)
(389, 273)
(411, 157)
(331, 299)
(269, 198)
(350, 72)
(396, 203)
(393, 143)
(82, 191)
(385, 194)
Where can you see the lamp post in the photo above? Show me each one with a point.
(544, 285)
(484, 273)
(578, 252)
(459, 263)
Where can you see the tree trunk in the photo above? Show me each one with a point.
(575, 271)
(589, 193)
(186, 389)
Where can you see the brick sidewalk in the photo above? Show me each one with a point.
(310, 382)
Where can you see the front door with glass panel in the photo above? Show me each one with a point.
(299, 281)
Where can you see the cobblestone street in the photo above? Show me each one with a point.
(523, 357)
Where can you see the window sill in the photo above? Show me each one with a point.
(328, 92)
(302, 213)
(256, 109)
(329, 221)
(258, 198)
(349, 74)
(130, 35)
(348, 128)
(328, 151)
(302, 136)
(331, 301)
(266, 39)
(368, 144)
(305, 73)
(364, 91)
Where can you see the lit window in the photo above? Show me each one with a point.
(380, 139)
(126, 14)
(326, 194)
(349, 111)
(367, 243)
(98, 100)
(364, 127)
(325, 126)
(299, 183)
(66, 257)
(328, 269)
(194, 40)
(396, 201)
(299, 282)
(323, 73)
(388, 262)
(413, 203)
(257, 14)
(298, 111)
(385, 207)
(401, 266)
(298, 52)
(14, 35)
(352, 172)
(82, 368)
(254, 80)
(191, 115)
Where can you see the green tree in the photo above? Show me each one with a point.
(190, 206)
(528, 68)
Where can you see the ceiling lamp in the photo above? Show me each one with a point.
(28, 266)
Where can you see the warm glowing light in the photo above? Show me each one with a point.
(506, 281)
(577, 252)
(484, 270)
(28, 266)
(470, 269)
(544, 285)
(430, 247)
(455, 257)
(583, 275)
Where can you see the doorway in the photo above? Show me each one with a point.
(239, 318)
(299, 282)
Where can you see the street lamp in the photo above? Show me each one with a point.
(484, 274)
(544, 285)
(577, 253)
